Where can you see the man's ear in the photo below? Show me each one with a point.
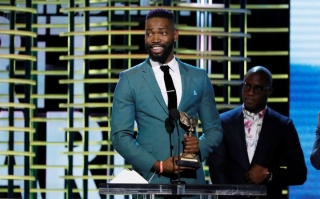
(176, 34)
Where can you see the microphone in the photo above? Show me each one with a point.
(169, 125)
(174, 115)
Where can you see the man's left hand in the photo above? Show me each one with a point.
(257, 174)
(191, 144)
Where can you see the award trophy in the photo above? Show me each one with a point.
(188, 159)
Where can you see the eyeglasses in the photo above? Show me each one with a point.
(257, 89)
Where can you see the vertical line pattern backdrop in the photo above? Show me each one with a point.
(63, 73)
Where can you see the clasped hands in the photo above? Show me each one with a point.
(257, 174)
(169, 165)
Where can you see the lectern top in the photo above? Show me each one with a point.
(181, 189)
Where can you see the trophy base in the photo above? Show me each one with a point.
(189, 163)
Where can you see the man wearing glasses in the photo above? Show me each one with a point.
(259, 146)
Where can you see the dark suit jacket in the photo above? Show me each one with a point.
(278, 146)
(315, 155)
(138, 98)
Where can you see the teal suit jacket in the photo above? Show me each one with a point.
(137, 97)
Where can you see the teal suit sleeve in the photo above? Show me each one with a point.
(122, 127)
(210, 121)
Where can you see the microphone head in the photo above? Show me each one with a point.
(174, 114)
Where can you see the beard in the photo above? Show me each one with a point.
(162, 58)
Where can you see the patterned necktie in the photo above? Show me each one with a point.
(171, 91)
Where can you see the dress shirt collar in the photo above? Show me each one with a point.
(173, 64)
(248, 113)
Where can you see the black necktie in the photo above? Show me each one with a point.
(171, 91)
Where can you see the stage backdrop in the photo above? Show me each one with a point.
(59, 65)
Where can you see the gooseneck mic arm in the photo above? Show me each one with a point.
(174, 114)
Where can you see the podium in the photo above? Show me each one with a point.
(206, 191)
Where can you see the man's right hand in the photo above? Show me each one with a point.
(170, 167)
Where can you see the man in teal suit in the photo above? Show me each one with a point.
(141, 96)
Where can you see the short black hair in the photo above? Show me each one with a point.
(161, 13)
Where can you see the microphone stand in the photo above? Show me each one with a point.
(178, 133)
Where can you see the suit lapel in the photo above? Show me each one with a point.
(265, 138)
(243, 154)
(185, 82)
(148, 76)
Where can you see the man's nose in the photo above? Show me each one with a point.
(251, 91)
(155, 38)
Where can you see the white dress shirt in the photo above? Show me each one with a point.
(252, 127)
(175, 75)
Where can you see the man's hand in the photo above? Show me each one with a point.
(191, 144)
(257, 174)
(170, 166)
